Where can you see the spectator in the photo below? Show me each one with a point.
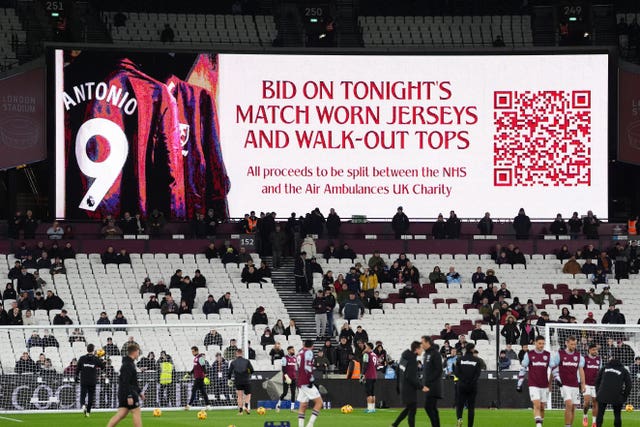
(486, 311)
(111, 231)
(437, 276)
(575, 299)
(589, 268)
(225, 302)
(528, 332)
(43, 261)
(572, 266)
(130, 341)
(498, 41)
(368, 282)
(169, 306)
(575, 225)
(485, 225)
(123, 257)
(400, 223)
(30, 224)
(210, 306)
(230, 351)
(599, 278)
(212, 252)
(212, 221)
(259, 317)
(277, 353)
(510, 352)
(543, 319)
(347, 333)
(49, 340)
(55, 232)
(67, 252)
(330, 252)
(590, 251)
(58, 267)
(15, 226)
(148, 363)
(266, 338)
(375, 302)
(244, 257)
(439, 228)
(213, 338)
(461, 344)
(167, 35)
(26, 365)
(160, 287)
(278, 240)
(103, 320)
(353, 308)
(589, 318)
(147, 286)
(77, 336)
(447, 333)
(153, 303)
(565, 315)
(590, 226)
(517, 257)
(109, 256)
(251, 275)
(478, 333)
(613, 316)
(328, 280)
(53, 302)
(510, 330)
(606, 297)
(558, 226)
(34, 340)
(360, 335)
(110, 349)
(28, 319)
(346, 252)
(453, 277)
(522, 225)
(26, 282)
(604, 263)
(119, 320)
(491, 277)
(504, 363)
(445, 350)
(451, 362)
(176, 280)
(229, 257)
(9, 292)
(478, 296)
(156, 221)
(453, 226)
(503, 291)
(292, 329)
(119, 19)
(62, 318)
(563, 253)
(278, 328)
(184, 307)
(477, 277)
(309, 248)
(376, 261)
(70, 370)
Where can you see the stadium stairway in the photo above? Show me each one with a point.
(298, 305)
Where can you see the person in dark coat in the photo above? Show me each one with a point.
(431, 379)
(522, 225)
(439, 228)
(453, 226)
(613, 386)
(408, 384)
(333, 224)
(467, 369)
(400, 223)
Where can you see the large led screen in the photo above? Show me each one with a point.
(361, 134)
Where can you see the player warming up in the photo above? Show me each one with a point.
(567, 368)
(592, 365)
(307, 391)
(613, 386)
(409, 384)
(129, 394)
(199, 374)
(87, 374)
(536, 363)
(368, 376)
(288, 377)
(241, 370)
(467, 370)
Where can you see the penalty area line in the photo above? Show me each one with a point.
(15, 420)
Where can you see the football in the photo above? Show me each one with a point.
(346, 409)
(157, 412)
(99, 352)
(629, 408)
(202, 415)
(261, 410)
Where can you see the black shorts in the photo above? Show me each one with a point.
(369, 386)
(246, 388)
(122, 403)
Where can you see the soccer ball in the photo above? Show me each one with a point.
(202, 415)
(628, 408)
(261, 410)
(157, 412)
(99, 352)
(346, 409)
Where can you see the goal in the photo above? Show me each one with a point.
(45, 380)
(621, 341)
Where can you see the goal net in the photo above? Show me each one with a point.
(38, 363)
(619, 341)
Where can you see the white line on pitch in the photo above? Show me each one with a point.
(15, 420)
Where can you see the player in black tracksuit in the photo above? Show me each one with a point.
(409, 384)
(87, 374)
(129, 393)
(613, 386)
(467, 371)
(241, 369)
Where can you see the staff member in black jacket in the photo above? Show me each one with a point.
(87, 374)
(129, 394)
(431, 379)
(467, 371)
(409, 384)
(613, 386)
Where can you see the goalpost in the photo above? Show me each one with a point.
(50, 386)
(620, 341)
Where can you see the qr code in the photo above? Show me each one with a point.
(542, 139)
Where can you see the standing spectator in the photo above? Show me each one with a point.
(167, 35)
(156, 221)
(278, 239)
(453, 226)
(400, 223)
(30, 225)
(15, 226)
(510, 330)
(333, 224)
(528, 332)
(330, 302)
(299, 273)
(439, 229)
(352, 308)
(558, 226)
(55, 232)
(320, 309)
(368, 282)
(522, 225)
(26, 283)
(485, 225)
(590, 227)
(575, 226)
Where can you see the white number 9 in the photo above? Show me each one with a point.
(105, 172)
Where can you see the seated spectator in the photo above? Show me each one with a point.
(55, 232)
(184, 308)
(599, 278)
(375, 302)
(229, 257)
(109, 256)
(147, 363)
(211, 251)
(264, 271)
(604, 263)
(24, 302)
(277, 353)
(26, 365)
(43, 261)
(543, 319)
(368, 282)
(504, 363)
(160, 287)
(530, 308)
(589, 318)
(346, 252)
(478, 333)
(29, 263)
(225, 302)
(58, 267)
(518, 257)
(266, 338)
(320, 362)
(453, 277)
(606, 297)
(477, 277)
(34, 340)
(328, 279)
(77, 336)
(503, 258)
(510, 352)
(558, 227)
(103, 320)
(486, 311)
(244, 257)
(503, 291)
(9, 292)
(53, 302)
(14, 315)
(49, 340)
(376, 261)
(491, 277)
(70, 370)
(259, 317)
(152, 303)
(565, 315)
(119, 320)
(210, 306)
(67, 252)
(213, 337)
(330, 252)
(437, 276)
(176, 280)
(590, 252)
(589, 268)
(445, 350)
(169, 306)
(478, 296)
(447, 333)
(572, 266)
(130, 341)
(62, 318)
(408, 291)
(123, 257)
(613, 316)
(251, 275)
(147, 286)
(360, 335)
(292, 329)
(461, 344)
(575, 299)
(110, 349)
(523, 350)
(28, 319)
(111, 231)
(450, 363)
(563, 253)
(353, 308)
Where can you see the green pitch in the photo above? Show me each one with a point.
(332, 418)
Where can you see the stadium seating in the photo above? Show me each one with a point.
(195, 29)
(446, 31)
(11, 35)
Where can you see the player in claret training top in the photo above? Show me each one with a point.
(567, 366)
(199, 373)
(536, 363)
(369, 375)
(592, 364)
(288, 377)
(307, 391)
